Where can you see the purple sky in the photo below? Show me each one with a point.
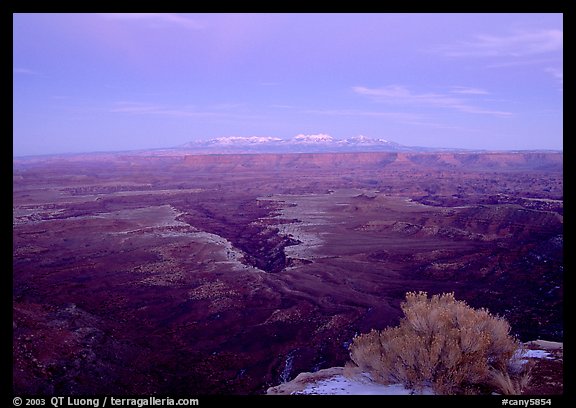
(99, 82)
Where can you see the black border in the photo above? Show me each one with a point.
(418, 6)
(8, 7)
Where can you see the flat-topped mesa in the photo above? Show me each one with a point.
(299, 161)
(489, 161)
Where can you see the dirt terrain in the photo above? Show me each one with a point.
(228, 274)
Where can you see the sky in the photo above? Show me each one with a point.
(111, 82)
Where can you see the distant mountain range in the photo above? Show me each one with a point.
(315, 143)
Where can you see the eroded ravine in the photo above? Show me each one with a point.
(263, 245)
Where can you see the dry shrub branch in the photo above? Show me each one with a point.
(445, 344)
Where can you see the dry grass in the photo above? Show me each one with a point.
(508, 385)
(445, 344)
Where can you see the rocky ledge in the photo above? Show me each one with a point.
(546, 377)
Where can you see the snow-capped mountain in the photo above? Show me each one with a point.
(239, 140)
(301, 143)
(319, 138)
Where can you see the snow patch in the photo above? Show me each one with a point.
(317, 138)
(247, 140)
(341, 385)
(536, 354)
(521, 357)
(285, 375)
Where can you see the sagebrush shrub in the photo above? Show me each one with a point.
(442, 343)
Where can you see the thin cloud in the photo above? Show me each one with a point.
(401, 96)
(354, 112)
(139, 108)
(521, 63)
(405, 118)
(519, 44)
(135, 107)
(468, 91)
(557, 73)
(24, 71)
(157, 18)
(437, 125)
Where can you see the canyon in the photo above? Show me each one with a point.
(209, 274)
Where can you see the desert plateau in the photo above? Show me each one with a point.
(208, 274)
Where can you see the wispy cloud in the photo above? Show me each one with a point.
(157, 18)
(557, 73)
(395, 116)
(520, 62)
(140, 108)
(135, 107)
(401, 96)
(468, 91)
(406, 118)
(518, 44)
(24, 71)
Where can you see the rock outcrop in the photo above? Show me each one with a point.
(546, 377)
